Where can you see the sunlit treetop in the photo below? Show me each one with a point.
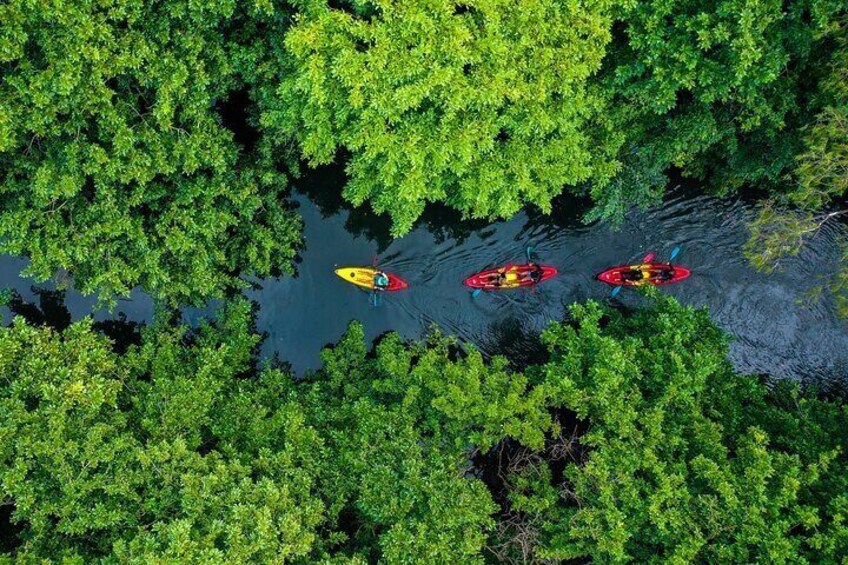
(480, 104)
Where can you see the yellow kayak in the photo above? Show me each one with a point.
(364, 277)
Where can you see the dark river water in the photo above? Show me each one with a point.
(773, 331)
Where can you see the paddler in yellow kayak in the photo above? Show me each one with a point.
(381, 280)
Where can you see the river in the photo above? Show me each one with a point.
(773, 331)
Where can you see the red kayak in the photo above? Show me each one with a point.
(516, 277)
(650, 273)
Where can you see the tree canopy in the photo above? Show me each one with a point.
(683, 460)
(114, 163)
(634, 442)
(460, 103)
(149, 144)
(482, 105)
(718, 90)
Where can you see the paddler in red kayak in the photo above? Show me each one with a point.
(535, 274)
(641, 274)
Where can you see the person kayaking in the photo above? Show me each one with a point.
(666, 273)
(381, 280)
(632, 275)
(536, 273)
(499, 279)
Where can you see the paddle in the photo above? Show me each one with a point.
(376, 292)
(674, 253)
(529, 251)
(476, 292)
(615, 291)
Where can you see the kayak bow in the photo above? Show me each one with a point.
(516, 276)
(364, 277)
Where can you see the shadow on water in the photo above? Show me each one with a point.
(512, 339)
(51, 310)
(322, 186)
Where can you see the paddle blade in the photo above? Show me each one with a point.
(476, 292)
(615, 292)
(529, 251)
(674, 253)
(649, 257)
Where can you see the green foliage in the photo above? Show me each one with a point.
(183, 449)
(785, 224)
(119, 455)
(483, 105)
(6, 295)
(114, 164)
(401, 425)
(716, 89)
(460, 103)
(684, 461)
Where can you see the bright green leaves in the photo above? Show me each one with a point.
(635, 442)
(401, 425)
(60, 429)
(461, 104)
(183, 449)
(438, 101)
(462, 401)
(106, 455)
(680, 466)
(113, 161)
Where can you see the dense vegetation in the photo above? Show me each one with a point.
(114, 163)
(634, 442)
(151, 143)
(818, 193)
(147, 143)
(442, 101)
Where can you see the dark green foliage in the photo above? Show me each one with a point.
(114, 164)
(820, 190)
(636, 442)
(684, 460)
(717, 89)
